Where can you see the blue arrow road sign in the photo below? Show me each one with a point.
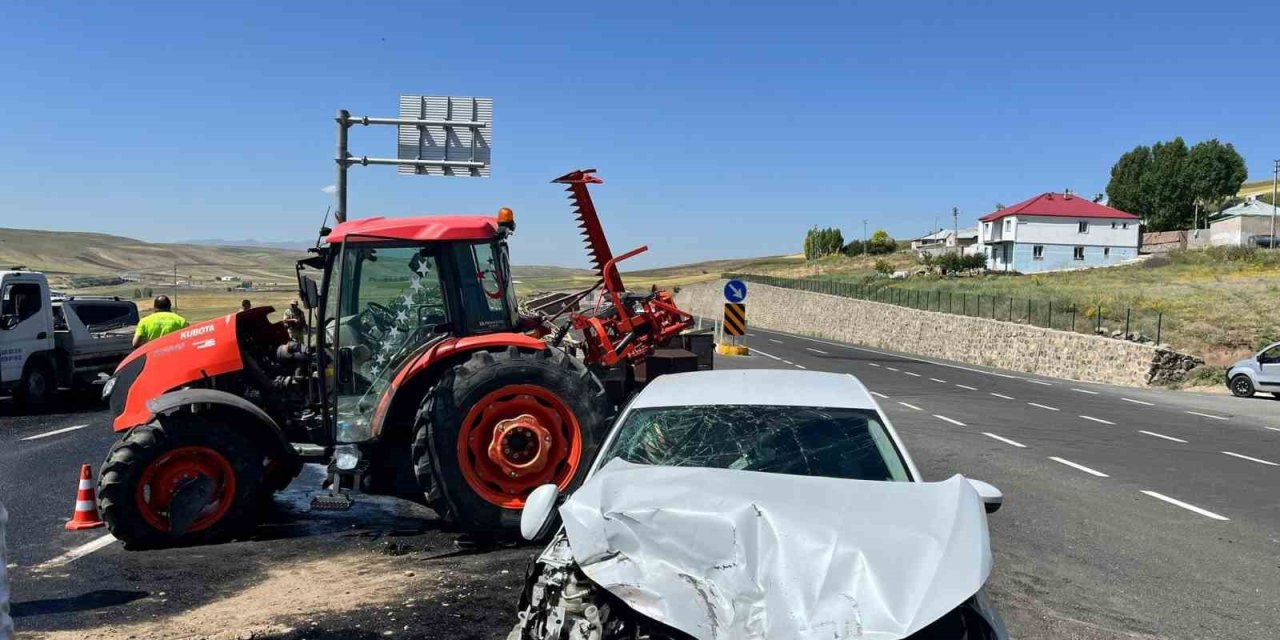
(735, 291)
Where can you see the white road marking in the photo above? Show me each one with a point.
(1251, 459)
(906, 357)
(873, 364)
(1043, 406)
(775, 341)
(1189, 507)
(965, 386)
(1161, 435)
(818, 351)
(1001, 395)
(749, 335)
(761, 353)
(78, 552)
(910, 406)
(891, 368)
(946, 419)
(913, 375)
(790, 362)
(1092, 393)
(937, 380)
(1081, 467)
(1033, 380)
(799, 366)
(1098, 420)
(54, 432)
(1149, 404)
(1005, 440)
(1206, 415)
(1274, 428)
(879, 395)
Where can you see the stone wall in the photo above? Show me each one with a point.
(992, 343)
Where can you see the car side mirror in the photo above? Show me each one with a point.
(992, 498)
(537, 512)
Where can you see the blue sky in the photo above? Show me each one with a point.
(721, 129)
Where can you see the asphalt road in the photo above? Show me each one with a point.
(1129, 513)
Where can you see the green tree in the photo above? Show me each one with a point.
(1215, 172)
(1166, 182)
(884, 267)
(881, 243)
(137, 294)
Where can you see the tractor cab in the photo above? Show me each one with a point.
(389, 288)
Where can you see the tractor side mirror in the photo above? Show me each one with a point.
(992, 498)
(308, 292)
(539, 507)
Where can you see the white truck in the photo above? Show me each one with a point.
(48, 342)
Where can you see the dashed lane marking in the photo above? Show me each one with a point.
(54, 432)
(910, 406)
(1034, 381)
(1098, 420)
(1076, 465)
(1161, 435)
(1251, 458)
(879, 395)
(1043, 406)
(873, 364)
(1189, 507)
(1206, 415)
(1001, 395)
(1005, 440)
(937, 380)
(1092, 393)
(775, 341)
(1143, 402)
(891, 368)
(817, 351)
(946, 419)
(965, 386)
(78, 552)
(913, 375)
(800, 366)
(1274, 428)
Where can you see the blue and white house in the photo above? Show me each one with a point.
(1057, 231)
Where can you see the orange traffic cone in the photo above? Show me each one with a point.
(86, 515)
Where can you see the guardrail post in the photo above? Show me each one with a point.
(6, 623)
(1010, 308)
(1050, 314)
(1099, 316)
(1126, 322)
(1029, 311)
(1073, 317)
(1159, 322)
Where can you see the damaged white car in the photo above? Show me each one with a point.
(759, 504)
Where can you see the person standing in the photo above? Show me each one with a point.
(162, 321)
(245, 305)
(295, 319)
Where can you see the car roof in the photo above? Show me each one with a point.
(756, 387)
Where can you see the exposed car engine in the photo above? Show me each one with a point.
(560, 603)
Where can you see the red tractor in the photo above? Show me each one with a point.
(419, 379)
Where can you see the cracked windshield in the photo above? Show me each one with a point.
(807, 441)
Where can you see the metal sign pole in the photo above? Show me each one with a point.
(344, 124)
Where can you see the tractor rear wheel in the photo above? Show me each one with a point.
(501, 424)
(180, 479)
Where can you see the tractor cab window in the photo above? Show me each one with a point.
(484, 286)
(390, 302)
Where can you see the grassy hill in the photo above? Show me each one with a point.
(1255, 188)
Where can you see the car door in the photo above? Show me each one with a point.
(24, 325)
(1269, 367)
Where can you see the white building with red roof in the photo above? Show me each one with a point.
(1055, 231)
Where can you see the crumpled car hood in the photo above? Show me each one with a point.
(737, 554)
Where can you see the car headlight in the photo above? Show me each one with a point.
(108, 387)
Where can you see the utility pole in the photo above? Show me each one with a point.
(175, 286)
(1274, 181)
(864, 232)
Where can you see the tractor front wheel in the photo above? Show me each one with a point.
(501, 424)
(178, 480)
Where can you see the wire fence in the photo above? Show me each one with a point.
(1118, 321)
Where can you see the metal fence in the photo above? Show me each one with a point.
(1138, 324)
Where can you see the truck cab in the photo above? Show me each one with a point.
(48, 342)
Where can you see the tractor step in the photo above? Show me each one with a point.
(332, 502)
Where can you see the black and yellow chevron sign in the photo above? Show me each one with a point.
(735, 318)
